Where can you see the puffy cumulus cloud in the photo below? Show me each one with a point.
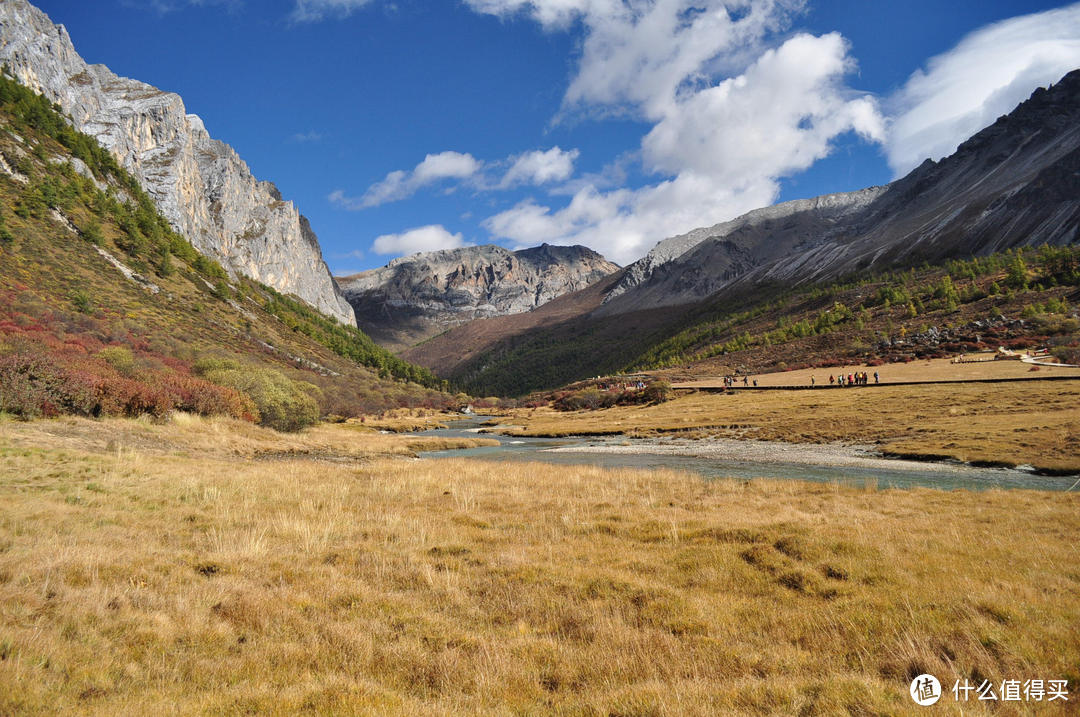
(986, 75)
(401, 184)
(644, 56)
(623, 224)
(429, 238)
(733, 110)
(540, 167)
(315, 10)
(725, 148)
(445, 165)
(530, 168)
(774, 119)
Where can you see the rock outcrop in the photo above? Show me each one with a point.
(418, 296)
(199, 184)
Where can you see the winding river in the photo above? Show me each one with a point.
(718, 458)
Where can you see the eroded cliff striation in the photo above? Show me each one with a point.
(200, 184)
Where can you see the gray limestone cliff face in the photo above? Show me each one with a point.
(417, 296)
(199, 184)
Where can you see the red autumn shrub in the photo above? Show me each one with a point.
(37, 380)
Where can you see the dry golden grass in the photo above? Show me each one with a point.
(135, 579)
(1033, 422)
(186, 435)
(928, 370)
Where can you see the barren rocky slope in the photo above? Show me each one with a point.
(1013, 184)
(418, 296)
(199, 184)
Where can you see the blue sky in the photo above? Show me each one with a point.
(400, 125)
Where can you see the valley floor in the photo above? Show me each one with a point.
(975, 367)
(212, 566)
(1008, 423)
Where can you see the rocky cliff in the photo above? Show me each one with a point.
(418, 296)
(199, 184)
(1013, 184)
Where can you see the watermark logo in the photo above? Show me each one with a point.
(925, 690)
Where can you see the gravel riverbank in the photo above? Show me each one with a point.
(828, 454)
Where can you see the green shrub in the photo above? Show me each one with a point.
(81, 300)
(5, 233)
(120, 358)
(657, 392)
(283, 404)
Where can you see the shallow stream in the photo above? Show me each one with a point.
(825, 464)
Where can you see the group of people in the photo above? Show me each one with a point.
(622, 386)
(852, 379)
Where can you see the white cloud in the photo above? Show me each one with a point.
(540, 167)
(986, 75)
(315, 10)
(549, 13)
(724, 147)
(444, 165)
(623, 224)
(638, 56)
(401, 184)
(733, 111)
(775, 119)
(429, 238)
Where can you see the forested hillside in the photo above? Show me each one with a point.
(106, 310)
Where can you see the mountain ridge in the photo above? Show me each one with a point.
(1016, 183)
(200, 184)
(415, 297)
(971, 202)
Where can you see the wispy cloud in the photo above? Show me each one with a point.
(307, 137)
(166, 6)
(401, 184)
(316, 10)
(985, 76)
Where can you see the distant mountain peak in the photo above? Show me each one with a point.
(414, 297)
